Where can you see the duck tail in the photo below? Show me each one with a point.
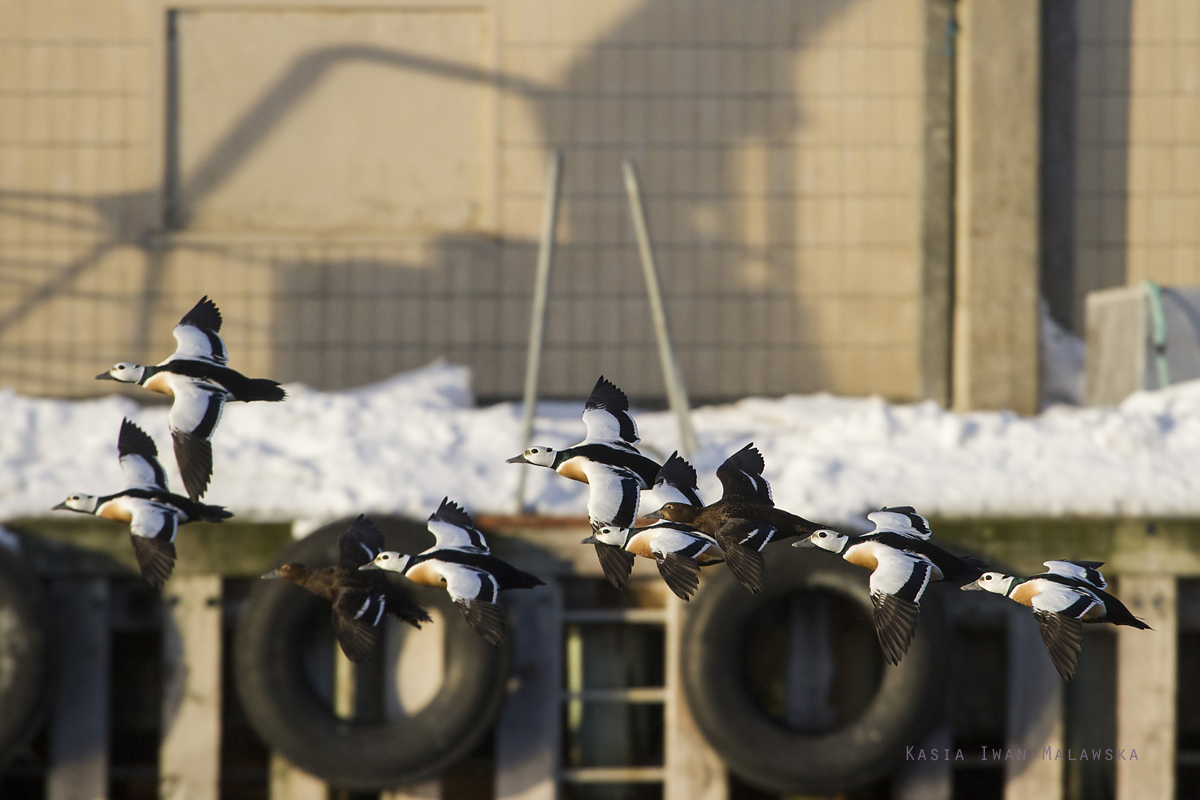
(250, 390)
(214, 513)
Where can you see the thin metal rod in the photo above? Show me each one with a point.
(537, 318)
(676, 393)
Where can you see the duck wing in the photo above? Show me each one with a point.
(357, 613)
(902, 520)
(197, 337)
(475, 591)
(680, 573)
(741, 477)
(897, 584)
(139, 458)
(453, 528)
(194, 416)
(745, 561)
(676, 483)
(359, 545)
(1086, 571)
(152, 531)
(613, 494)
(606, 416)
(616, 562)
(1063, 637)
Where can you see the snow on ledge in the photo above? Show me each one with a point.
(399, 445)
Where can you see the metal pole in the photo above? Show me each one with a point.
(676, 393)
(537, 319)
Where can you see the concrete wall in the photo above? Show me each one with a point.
(360, 189)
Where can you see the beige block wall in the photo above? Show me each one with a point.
(778, 142)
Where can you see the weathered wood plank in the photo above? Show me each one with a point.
(1146, 684)
(528, 734)
(190, 754)
(79, 717)
(693, 770)
(1035, 713)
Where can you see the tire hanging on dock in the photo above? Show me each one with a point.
(24, 657)
(284, 706)
(764, 751)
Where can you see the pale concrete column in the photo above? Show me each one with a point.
(79, 717)
(694, 771)
(1035, 713)
(996, 229)
(190, 754)
(528, 734)
(1146, 676)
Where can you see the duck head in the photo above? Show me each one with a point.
(995, 582)
(607, 534)
(538, 455)
(83, 503)
(826, 539)
(292, 573)
(676, 512)
(123, 372)
(390, 561)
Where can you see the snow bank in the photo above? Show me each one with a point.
(400, 445)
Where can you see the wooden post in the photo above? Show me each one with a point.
(528, 735)
(693, 769)
(414, 666)
(190, 755)
(289, 782)
(1035, 713)
(79, 717)
(1146, 676)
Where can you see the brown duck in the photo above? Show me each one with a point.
(359, 599)
(744, 520)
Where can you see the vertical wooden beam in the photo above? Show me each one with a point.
(1146, 683)
(414, 666)
(1035, 713)
(289, 782)
(79, 717)
(694, 771)
(190, 755)
(996, 229)
(937, 202)
(528, 735)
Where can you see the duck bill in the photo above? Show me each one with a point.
(591, 540)
(62, 507)
(973, 586)
(104, 376)
(654, 515)
(805, 543)
(369, 565)
(517, 459)
(271, 576)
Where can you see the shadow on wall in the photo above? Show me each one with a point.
(687, 88)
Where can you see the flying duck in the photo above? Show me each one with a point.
(197, 377)
(453, 529)
(744, 520)
(473, 579)
(679, 550)
(903, 562)
(1069, 594)
(359, 600)
(154, 514)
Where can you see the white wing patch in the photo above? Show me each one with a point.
(613, 494)
(1057, 598)
(152, 520)
(454, 537)
(468, 583)
(604, 426)
(1069, 570)
(141, 472)
(897, 522)
(673, 541)
(192, 399)
(901, 574)
(194, 344)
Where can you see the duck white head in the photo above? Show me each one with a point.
(538, 456)
(390, 561)
(607, 534)
(995, 582)
(826, 539)
(123, 372)
(83, 503)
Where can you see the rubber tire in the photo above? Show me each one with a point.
(24, 656)
(761, 750)
(284, 708)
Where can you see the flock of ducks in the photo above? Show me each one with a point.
(684, 536)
